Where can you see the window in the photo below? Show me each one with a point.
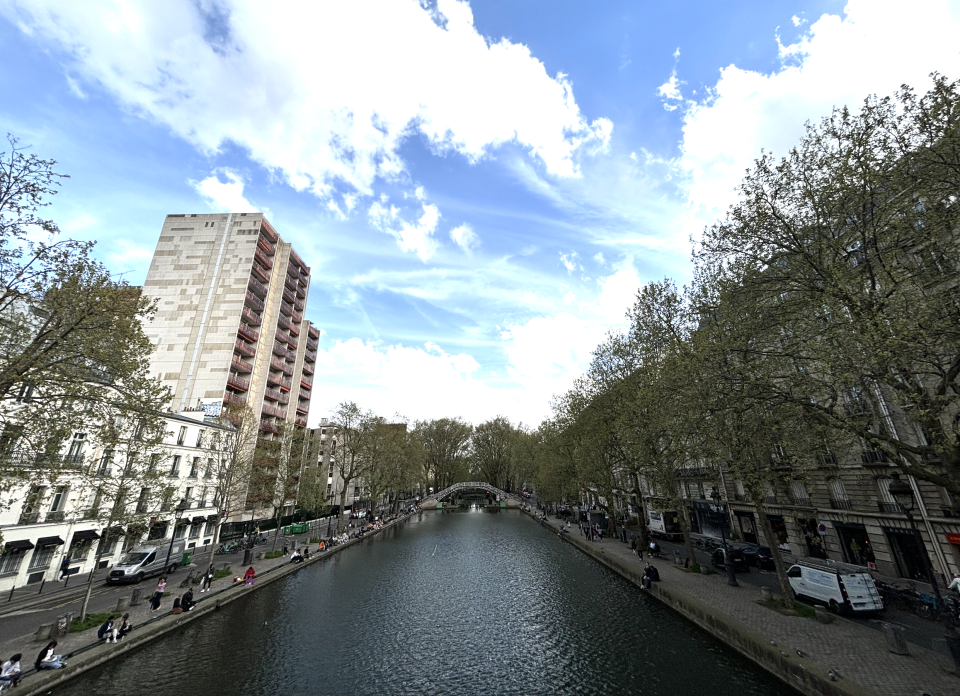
(188, 496)
(175, 467)
(741, 491)
(154, 463)
(75, 453)
(110, 546)
(837, 491)
(798, 492)
(143, 502)
(209, 472)
(195, 530)
(106, 461)
(794, 572)
(195, 467)
(180, 532)
(203, 498)
(182, 435)
(10, 561)
(59, 499)
(31, 506)
(42, 555)
(209, 528)
(200, 438)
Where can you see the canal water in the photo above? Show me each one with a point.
(448, 603)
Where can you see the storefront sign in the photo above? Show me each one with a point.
(953, 539)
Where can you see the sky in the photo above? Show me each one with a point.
(480, 188)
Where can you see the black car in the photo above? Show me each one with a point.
(740, 565)
(759, 557)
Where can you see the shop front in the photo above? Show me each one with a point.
(855, 544)
(779, 528)
(907, 549)
(712, 520)
(747, 526)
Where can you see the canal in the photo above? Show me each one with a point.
(451, 603)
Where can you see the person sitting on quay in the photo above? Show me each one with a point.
(295, 557)
(10, 671)
(48, 660)
(306, 553)
(322, 547)
(187, 601)
(249, 576)
(125, 627)
(105, 633)
(650, 575)
(178, 605)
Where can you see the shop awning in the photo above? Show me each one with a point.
(21, 545)
(49, 541)
(86, 535)
(199, 520)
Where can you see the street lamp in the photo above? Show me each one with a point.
(182, 507)
(902, 492)
(727, 553)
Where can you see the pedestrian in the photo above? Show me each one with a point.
(158, 594)
(105, 632)
(125, 627)
(10, 671)
(249, 576)
(64, 567)
(207, 579)
(47, 659)
(633, 544)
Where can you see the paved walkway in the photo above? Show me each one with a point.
(857, 653)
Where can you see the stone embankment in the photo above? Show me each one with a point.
(836, 659)
(83, 651)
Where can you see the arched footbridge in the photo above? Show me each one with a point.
(438, 498)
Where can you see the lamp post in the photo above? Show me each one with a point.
(902, 492)
(727, 553)
(177, 514)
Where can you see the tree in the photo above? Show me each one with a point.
(354, 429)
(493, 453)
(445, 444)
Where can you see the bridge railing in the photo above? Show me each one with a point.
(464, 485)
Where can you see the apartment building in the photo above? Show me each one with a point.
(57, 518)
(229, 327)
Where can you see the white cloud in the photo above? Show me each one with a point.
(464, 237)
(669, 91)
(124, 256)
(297, 84)
(570, 261)
(224, 196)
(874, 48)
(416, 237)
(598, 257)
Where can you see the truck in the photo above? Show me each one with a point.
(842, 587)
(664, 524)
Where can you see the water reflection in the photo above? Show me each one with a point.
(474, 602)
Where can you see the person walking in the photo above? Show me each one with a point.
(249, 576)
(158, 594)
(207, 579)
(64, 567)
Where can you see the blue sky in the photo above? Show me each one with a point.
(479, 187)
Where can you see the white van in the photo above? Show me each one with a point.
(841, 586)
(664, 524)
(144, 561)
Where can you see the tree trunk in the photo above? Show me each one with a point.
(685, 528)
(213, 544)
(96, 564)
(343, 502)
(788, 597)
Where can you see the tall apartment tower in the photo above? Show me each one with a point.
(229, 326)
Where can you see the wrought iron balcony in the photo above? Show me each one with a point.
(29, 518)
(840, 504)
(888, 507)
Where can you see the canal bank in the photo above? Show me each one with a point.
(90, 654)
(858, 657)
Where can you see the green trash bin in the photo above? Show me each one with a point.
(286, 530)
(185, 561)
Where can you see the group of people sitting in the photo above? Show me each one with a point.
(10, 671)
(184, 602)
(113, 631)
(299, 557)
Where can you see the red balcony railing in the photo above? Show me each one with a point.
(307, 368)
(253, 301)
(281, 350)
(298, 305)
(286, 308)
(290, 283)
(276, 412)
(311, 343)
(231, 398)
(260, 273)
(241, 366)
(257, 287)
(313, 332)
(250, 316)
(296, 316)
(285, 384)
(283, 321)
(282, 366)
(248, 334)
(302, 409)
(289, 296)
(263, 259)
(266, 245)
(302, 422)
(271, 394)
(268, 427)
(237, 382)
(310, 355)
(306, 383)
(245, 348)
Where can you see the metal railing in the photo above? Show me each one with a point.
(237, 382)
(889, 507)
(260, 272)
(263, 259)
(251, 317)
(253, 301)
(271, 394)
(265, 244)
(241, 365)
(257, 287)
(840, 504)
(245, 348)
(278, 364)
(246, 332)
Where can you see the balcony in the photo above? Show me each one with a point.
(307, 369)
(286, 308)
(799, 502)
(301, 293)
(285, 384)
(298, 305)
(142, 507)
(267, 247)
(267, 427)
(260, 273)
(294, 330)
(236, 399)
(310, 355)
(888, 507)
(289, 296)
(253, 301)
(273, 411)
(769, 500)
(313, 332)
(297, 316)
(302, 410)
(283, 321)
(263, 259)
(874, 457)
(306, 384)
(841, 504)
(281, 350)
(248, 334)
(312, 343)
(257, 287)
(281, 365)
(245, 348)
(29, 518)
(241, 366)
(55, 516)
(291, 283)
(271, 394)
(104, 472)
(237, 382)
(250, 316)
(301, 422)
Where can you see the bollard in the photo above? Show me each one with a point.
(896, 643)
(135, 597)
(44, 632)
(676, 558)
(123, 604)
(765, 594)
(704, 569)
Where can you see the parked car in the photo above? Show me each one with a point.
(759, 557)
(719, 559)
(842, 587)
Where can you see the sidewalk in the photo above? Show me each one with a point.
(856, 653)
(141, 614)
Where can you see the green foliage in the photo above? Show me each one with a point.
(273, 554)
(90, 621)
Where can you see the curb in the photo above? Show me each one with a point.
(808, 677)
(100, 653)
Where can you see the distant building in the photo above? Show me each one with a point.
(229, 326)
